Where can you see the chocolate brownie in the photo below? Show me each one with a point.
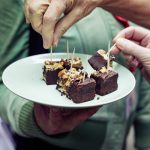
(99, 60)
(51, 70)
(106, 82)
(76, 85)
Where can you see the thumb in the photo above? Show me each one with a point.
(131, 48)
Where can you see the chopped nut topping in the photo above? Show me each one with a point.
(103, 70)
(67, 77)
(103, 54)
(53, 65)
(76, 62)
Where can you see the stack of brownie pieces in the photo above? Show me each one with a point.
(76, 85)
(70, 78)
(52, 68)
(106, 78)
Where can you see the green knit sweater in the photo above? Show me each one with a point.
(104, 130)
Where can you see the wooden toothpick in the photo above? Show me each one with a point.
(72, 58)
(109, 45)
(51, 52)
(86, 67)
(67, 49)
(108, 55)
(84, 76)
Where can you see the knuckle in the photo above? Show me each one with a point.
(48, 18)
(63, 29)
(79, 14)
(69, 5)
(60, 7)
(131, 28)
(32, 9)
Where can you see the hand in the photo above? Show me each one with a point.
(134, 42)
(34, 11)
(54, 120)
(46, 18)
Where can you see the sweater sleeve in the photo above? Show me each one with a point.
(11, 110)
(18, 112)
(142, 117)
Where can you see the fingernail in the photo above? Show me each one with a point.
(55, 43)
(45, 44)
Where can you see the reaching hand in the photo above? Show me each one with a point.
(52, 18)
(134, 42)
(59, 120)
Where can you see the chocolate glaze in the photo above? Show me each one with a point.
(105, 82)
(97, 61)
(82, 91)
(51, 76)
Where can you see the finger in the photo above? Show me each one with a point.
(50, 19)
(26, 11)
(133, 33)
(148, 45)
(41, 115)
(128, 57)
(36, 13)
(66, 111)
(115, 50)
(131, 48)
(81, 115)
(56, 114)
(134, 63)
(66, 22)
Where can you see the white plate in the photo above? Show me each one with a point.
(24, 78)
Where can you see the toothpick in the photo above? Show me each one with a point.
(86, 67)
(72, 58)
(51, 52)
(67, 49)
(84, 76)
(109, 45)
(108, 55)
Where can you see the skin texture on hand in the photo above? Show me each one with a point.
(134, 42)
(54, 120)
(52, 18)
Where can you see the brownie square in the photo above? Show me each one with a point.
(77, 63)
(97, 61)
(51, 77)
(105, 82)
(82, 91)
(51, 70)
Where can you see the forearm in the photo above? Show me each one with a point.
(137, 11)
